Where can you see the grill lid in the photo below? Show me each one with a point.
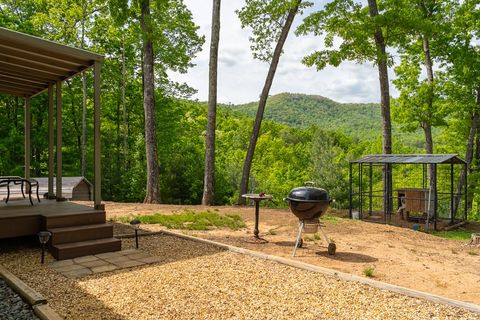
(308, 194)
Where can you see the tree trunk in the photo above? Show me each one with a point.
(426, 125)
(15, 120)
(124, 106)
(383, 78)
(474, 127)
(384, 105)
(119, 141)
(209, 175)
(263, 101)
(153, 189)
(474, 168)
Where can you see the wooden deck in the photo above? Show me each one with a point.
(76, 229)
(19, 218)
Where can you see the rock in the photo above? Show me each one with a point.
(12, 306)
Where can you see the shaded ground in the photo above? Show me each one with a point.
(399, 256)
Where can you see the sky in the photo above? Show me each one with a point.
(241, 78)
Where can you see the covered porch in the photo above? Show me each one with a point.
(30, 66)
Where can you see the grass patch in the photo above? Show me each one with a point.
(272, 232)
(312, 237)
(190, 220)
(458, 234)
(441, 284)
(331, 218)
(369, 271)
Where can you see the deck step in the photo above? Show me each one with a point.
(85, 248)
(74, 219)
(81, 233)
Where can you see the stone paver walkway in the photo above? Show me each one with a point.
(84, 266)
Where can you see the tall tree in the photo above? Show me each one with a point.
(419, 104)
(460, 54)
(153, 185)
(271, 22)
(362, 33)
(381, 59)
(167, 27)
(209, 175)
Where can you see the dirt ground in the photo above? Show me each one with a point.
(399, 256)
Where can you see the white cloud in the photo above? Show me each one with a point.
(241, 78)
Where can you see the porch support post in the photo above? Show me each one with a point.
(435, 197)
(51, 160)
(28, 121)
(465, 209)
(452, 203)
(59, 141)
(350, 195)
(97, 196)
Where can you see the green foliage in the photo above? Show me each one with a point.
(190, 220)
(369, 271)
(347, 31)
(330, 157)
(360, 121)
(332, 219)
(312, 237)
(457, 234)
(266, 17)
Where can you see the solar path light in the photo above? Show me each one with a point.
(44, 236)
(135, 223)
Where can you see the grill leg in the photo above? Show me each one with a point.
(299, 235)
(324, 234)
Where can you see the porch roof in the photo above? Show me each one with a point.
(410, 158)
(29, 64)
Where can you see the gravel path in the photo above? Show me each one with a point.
(199, 281)
(12, 307)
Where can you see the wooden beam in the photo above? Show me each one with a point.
(59, 141)
(19, 89)
(51, 160)
(27, 123)
(26, 74)
(97, 197)
(15, 91)
(14, 66)
(17, 84)
(35, 64)
(34, 44)
(22, 79)
(448, 228)
(35, 56)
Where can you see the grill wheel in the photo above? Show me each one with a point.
(300, 243)
(332, 248)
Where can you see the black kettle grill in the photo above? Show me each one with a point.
(308, 204)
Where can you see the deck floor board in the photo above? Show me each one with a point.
(19, 208)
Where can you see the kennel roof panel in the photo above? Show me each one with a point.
(410, 158)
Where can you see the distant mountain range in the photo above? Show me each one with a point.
(360, 120)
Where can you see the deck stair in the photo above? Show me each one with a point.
(76, 235)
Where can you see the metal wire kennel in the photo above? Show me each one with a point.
(423, 189)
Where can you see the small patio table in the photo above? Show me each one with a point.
(16, 180)
(257, 198)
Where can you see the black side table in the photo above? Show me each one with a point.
(257, 198)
